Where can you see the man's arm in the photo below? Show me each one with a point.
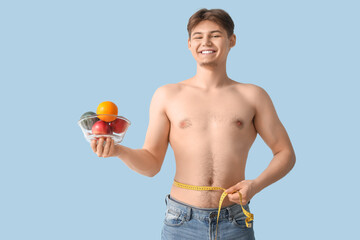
(271, 130)
(273, 133)
(148, 160)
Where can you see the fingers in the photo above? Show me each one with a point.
(234, 196)
(108, 147)
(234, 188)
(93, 145)
(231, 190)
(242, 198)
(238, 198)
(102, 147)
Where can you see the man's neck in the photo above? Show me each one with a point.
(211, 77)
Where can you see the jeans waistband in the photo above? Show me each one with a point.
(202, 213)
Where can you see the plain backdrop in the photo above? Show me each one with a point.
(59, 59)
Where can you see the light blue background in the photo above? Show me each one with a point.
(59, 59)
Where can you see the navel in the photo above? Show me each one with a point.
(210, 181)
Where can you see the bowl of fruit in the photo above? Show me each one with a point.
(104, 123)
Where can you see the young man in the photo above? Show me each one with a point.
(211, 121)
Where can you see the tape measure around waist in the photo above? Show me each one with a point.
(249, 216)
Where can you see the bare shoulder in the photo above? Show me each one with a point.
(254, 93)
(166, 92)
(163, 95)
(168, 88)
(250, 88)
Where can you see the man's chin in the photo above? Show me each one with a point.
(208, 64)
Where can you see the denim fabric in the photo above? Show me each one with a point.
(186, 222)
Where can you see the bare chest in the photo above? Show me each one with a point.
(196, 112)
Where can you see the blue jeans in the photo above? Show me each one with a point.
(186, 222)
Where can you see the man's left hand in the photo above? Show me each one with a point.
(247, 189)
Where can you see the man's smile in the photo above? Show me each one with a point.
(207, 52)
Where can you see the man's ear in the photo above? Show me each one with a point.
(232, 40)
(189, 43)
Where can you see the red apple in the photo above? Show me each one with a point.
(119, 125)
(101, 128)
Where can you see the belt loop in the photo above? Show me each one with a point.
(189, 213)
(230, 214)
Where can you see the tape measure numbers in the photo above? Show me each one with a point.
(249, 216)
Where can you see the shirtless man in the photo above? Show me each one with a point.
(210, 121)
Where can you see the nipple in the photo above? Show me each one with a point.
(185, 123)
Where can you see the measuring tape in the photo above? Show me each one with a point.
(249, 216)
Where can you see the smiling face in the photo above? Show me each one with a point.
(209, 43)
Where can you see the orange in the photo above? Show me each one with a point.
(107, 108)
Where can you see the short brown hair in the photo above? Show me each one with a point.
(218, 16)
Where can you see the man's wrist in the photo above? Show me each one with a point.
(118, 150)
(257, 185)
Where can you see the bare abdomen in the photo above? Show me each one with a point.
(213, 156)
(212, 169)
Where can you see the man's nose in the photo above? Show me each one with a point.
(206, 41)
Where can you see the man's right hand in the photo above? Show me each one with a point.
(109, 149)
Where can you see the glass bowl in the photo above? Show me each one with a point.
(94, 128)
